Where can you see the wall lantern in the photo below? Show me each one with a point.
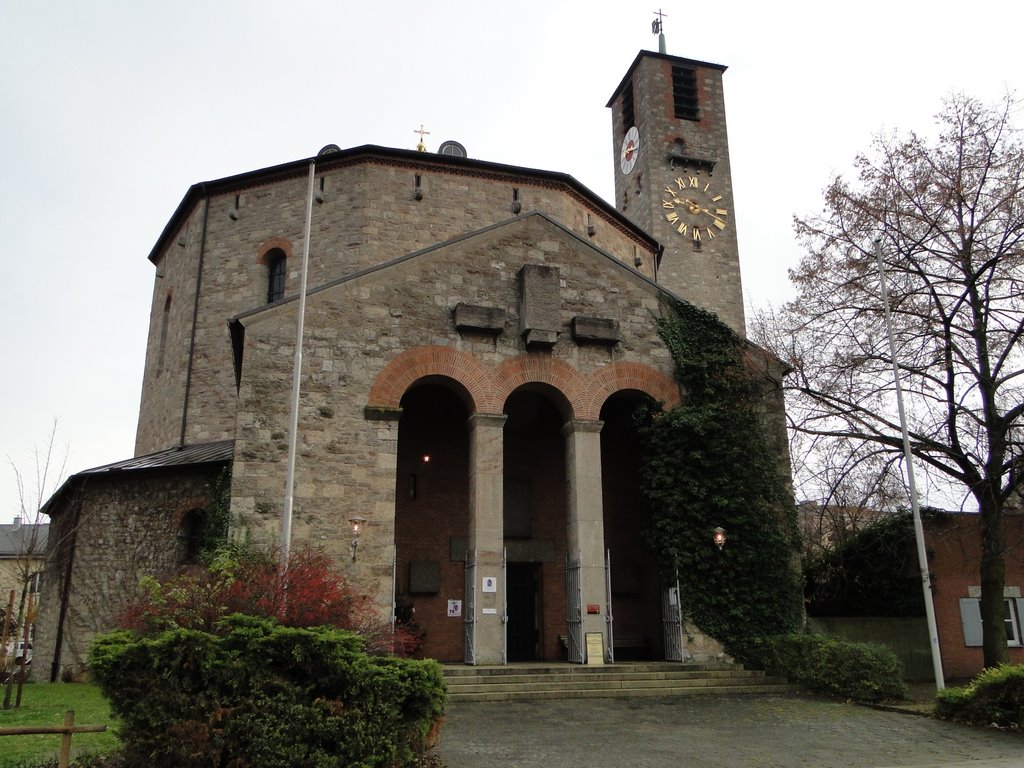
(719, 538)
(357, 526)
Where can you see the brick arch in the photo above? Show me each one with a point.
(532, 369)
(422, 362)
(616, 377)
(272, 244)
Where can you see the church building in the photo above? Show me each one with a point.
(475, 339)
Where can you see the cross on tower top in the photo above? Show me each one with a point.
(421, 147)
(657, 25)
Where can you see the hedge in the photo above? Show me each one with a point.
(254, 693)
(861, 671)
(995, 697)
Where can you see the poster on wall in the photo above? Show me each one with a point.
(490, 584)
(454, 608)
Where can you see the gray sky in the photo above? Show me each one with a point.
(110, 110)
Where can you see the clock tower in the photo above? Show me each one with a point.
(672, 177)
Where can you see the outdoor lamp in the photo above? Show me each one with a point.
(357, 525)
(719, 538)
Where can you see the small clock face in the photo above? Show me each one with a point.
(694, 209)
(630, 150)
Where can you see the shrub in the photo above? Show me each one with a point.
(861, 671)
(254, 693)
(995, 697)
(310, 593)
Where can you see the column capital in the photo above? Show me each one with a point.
(574, 426)
(487, 420)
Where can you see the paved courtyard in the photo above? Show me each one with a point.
(774, 731)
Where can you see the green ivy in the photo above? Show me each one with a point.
(706, 464)
(217, 522)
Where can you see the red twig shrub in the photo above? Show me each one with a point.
(310, 593)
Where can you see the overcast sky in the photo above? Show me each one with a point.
(111, 110)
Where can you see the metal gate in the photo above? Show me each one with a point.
(574, 610)
(469, 611)
(672, 622)
(504, 606)
(394, 587)
(609, 620)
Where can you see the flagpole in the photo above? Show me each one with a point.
(922, 552)
(293, 426)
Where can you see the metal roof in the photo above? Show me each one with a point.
(202, 453)
(220, 452)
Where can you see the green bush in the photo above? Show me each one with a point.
(995, 697)
(253, 693)
(861, 671)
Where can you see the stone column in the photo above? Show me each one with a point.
(585, 517)
(486, 529)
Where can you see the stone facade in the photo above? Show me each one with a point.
(476, 338)
(109, 530)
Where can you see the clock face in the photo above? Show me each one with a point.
(694, 209)
(630, 150)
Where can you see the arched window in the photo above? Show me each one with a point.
(276, 264)
(190, 535)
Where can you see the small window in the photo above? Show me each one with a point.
(190, 535)
(1010, 606)
(276, 266)
(628, 115)
(684, 93)
(970, 616)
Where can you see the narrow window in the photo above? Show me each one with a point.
(1012, 622)
(163, 336)
(628, 116)
(684, 93)
(276, 265)
(190, 535)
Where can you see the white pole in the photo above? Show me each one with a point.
(293, 426)
(922, 553)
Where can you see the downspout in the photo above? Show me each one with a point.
(195, 317)
(65, 592)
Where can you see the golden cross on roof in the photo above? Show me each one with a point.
(421, 147)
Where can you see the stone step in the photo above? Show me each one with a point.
(625, 693)
(540, 668)
(570, 677)
(553, 681)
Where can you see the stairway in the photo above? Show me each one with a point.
(519, 682)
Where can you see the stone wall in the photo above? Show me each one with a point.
(359, 332)
(113, 530)
(369, 215)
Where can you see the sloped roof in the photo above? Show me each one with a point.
(202, 453)
(18, 538)
(219, 452)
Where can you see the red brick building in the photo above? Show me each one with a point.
(954, 545)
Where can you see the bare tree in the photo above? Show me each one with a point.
(29, 541)
(949, 212)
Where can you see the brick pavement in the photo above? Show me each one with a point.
(775, 731)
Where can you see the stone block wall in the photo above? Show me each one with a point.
(113, 530)
(369, 216)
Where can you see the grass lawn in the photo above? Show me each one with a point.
(45, 704)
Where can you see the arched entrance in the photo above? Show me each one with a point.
(635, 582)
(534, 523)
(432, 514)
